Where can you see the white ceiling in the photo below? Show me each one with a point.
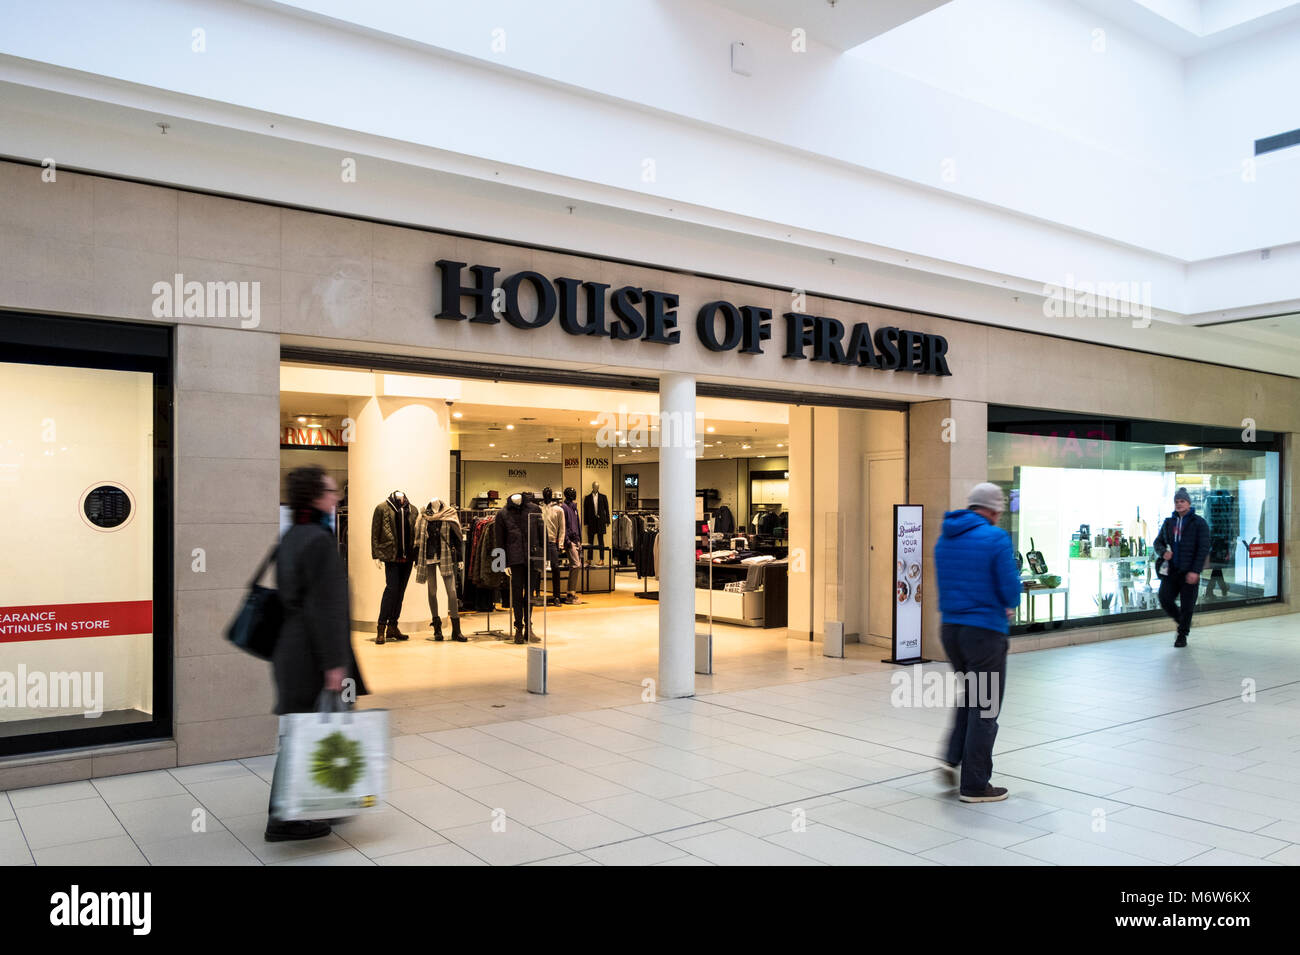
(549, 416)
(842, 24)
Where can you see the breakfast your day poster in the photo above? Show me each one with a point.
(909, 561)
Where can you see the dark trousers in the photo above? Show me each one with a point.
(974, 650)
(1175, 585)
(595, 539)
(520, 588)
(396, 576)
(553, 557)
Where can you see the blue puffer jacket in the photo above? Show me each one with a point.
(977, 573)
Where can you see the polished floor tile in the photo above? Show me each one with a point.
(1115, 753)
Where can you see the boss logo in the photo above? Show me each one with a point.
(517, 472)
(570, 462)
(597, 462)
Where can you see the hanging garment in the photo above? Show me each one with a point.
(723, 520)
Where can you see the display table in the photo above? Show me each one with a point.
(1124, 584)
(1032, 592)
(764, 607)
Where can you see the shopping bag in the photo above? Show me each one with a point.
(332, 764)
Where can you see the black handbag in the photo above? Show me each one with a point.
(256, 628)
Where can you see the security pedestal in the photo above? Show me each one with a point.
(704, 653)
(833, 645)
(536, 669)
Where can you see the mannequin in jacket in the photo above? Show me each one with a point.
(521, 538)
(553, 522)
(438, 539)
(572, 542)
(392, 544)
(595, 515)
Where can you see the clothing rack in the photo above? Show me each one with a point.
(467, 517)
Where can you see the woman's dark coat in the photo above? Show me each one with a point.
(316, 635)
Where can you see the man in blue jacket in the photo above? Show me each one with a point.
(979, 592)
(1184, 544)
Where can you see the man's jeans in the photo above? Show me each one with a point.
(983, 653)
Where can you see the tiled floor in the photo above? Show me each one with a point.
(1126, 752)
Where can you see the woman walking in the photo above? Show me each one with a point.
(314, 652)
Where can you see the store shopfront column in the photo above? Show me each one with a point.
(677, 536)
(400, 444)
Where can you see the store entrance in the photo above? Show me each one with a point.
(470, 455)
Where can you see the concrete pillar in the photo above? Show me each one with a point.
(947, 454)
(398, 444)
(677, 536)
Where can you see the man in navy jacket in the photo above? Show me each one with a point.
(1184, 542)
(979, 592)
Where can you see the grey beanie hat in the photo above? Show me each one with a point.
(1182, 495)
(986, 495)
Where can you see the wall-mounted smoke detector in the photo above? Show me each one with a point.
(742, 59)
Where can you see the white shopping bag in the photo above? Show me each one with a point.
(331, 764)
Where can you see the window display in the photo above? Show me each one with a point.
(1089, 505)
(77, 625)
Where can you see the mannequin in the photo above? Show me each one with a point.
(572, 544)
(595, 514)
(438, 542)
(392, 544)
(521, 536)
(554, 523)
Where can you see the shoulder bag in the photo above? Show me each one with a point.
(256, 628)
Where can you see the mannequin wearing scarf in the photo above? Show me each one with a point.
(438, 543)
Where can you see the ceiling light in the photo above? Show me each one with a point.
(593, 422)
(708, 445)
(744, 447)
(762, 455)
(780, 445)
(458, 414)
(301, 419)
(491, 445)
(710, 429)
(510, 427)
